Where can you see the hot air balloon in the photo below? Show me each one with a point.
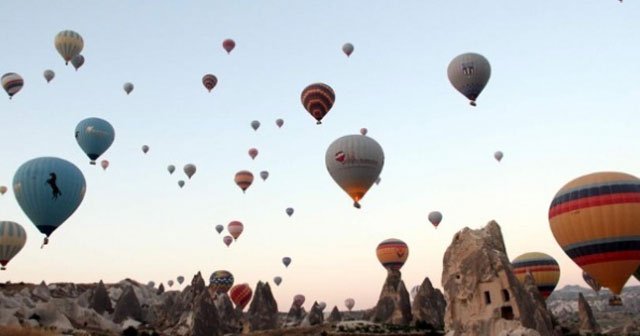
(322, 305)
(286, 261)
(128, 87)
(255, 125)
(235, 229)
(347, 48)
(145, 149)
(12, 83)
(318, 98)
(241, 295)
(253, 153)
(49, 190)
(12, 240)
(498, 155)
(594, 218)
(219, 228)
(350, 303)
(180, 279)
(392, 254)
(228, 45)
(220, 282)
(542, 267)
(469, 74)
(298, 300)
(244, 179)
(181, 183)
(279, 123)
(277, 280)
(69, 44)
(289, 211)
(591, 282)
(189, 169)
(227, 240)
(170, 283)
(95, 136)
(3, 190)
(364, 131)
(77, 61)
(354, 162)
(435, 217)
(209, 81)
(104, 164)
(414, 291)
(264, 175)
(171, 169)
(48, 75)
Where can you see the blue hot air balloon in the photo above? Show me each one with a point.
(49, 190)
(95, 136)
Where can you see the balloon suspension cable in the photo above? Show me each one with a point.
(356, 205)
(472, 103)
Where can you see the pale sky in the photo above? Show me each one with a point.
(563, 101)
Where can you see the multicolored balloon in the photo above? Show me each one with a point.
(264, 175)
(350, 303)
(49, 75)
(220, 282)
(49, 190)
(298, 300)
(104, 164)
(241, 295)
(228, 45)
(542, 267)
(69, 44)
(243, 179)
(277, 280)
(279, 123)
(498, 156)
(591, 282)
(469, 73)
(289, 211)
(435, 217)
(227, 240)
(189, 169)
(286, 261)
(355, 162)
(255, 125)
(12, 83)
(392, 254)
(77, 61)
(219, 228)
(128, 87)
(12, 240)
(347, 48)
(209, 81)
(318, 98)
(594, 218)
(95, 136)
(235, 229)
(253, 152)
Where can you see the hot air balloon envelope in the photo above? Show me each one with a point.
(95, 136)
(12, 240)
(544, 269)
(469, 73)
(392, 254)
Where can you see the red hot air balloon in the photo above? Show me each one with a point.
(241, 295)
(209, 81)
(227, 240)
(244, 179)
(228, 45)
(318, 98)
(253, 152)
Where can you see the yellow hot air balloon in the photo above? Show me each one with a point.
(542, 267)
(392, 254)
(596, 220)
(69, 44)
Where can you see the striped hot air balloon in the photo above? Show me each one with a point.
(544, 269)
(594, 218)
(244, 179)
(220, 281)
(12, 240)
(209, 81)
(12, 83)
(392, 254)
(69, 44)
(469, 73)
(241, 295)
(318, 98)
(235, 229)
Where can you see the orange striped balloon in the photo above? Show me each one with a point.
(544, 269)
(318, 98)
(241, 295)
(595, 219)
(392, 253)
(243, 179)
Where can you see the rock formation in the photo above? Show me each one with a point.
(314, 317)
(127, 306)
(230, 320)
(335, 315)
(160, 289)
(205, 316)
(42, 292)
(394, 305)
(263, 310)
(100, 301)
(588, 323)
(295, 316)
(483, 296)
(428, 307)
